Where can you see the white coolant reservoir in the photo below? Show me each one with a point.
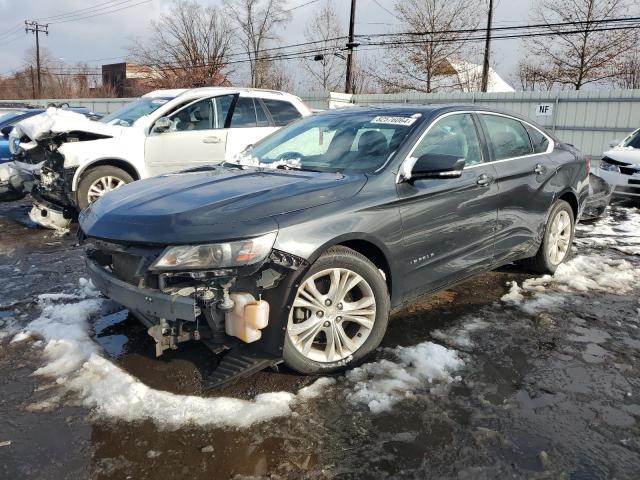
(247, 318)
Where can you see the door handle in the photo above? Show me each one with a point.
(539, 169)
(211, 140)
(484, 180)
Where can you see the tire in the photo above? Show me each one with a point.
(92, 178)
(363, 335)
(545, 261)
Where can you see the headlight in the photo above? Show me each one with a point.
(215, 255)
(14, 145)
(609, 167)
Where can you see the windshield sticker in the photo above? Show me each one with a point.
(394, 120)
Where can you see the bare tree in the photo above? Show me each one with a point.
(324, 27)
(627, 71)
(584, 57)
(424, 65)
(363, 78)
(279, 77)
(258, 22)
(189, 46)
(531, 77)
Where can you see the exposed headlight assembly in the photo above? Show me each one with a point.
(609, 167)
(215, 255)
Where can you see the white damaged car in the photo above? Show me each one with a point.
(620, 167)
(162, 132)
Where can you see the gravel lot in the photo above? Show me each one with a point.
(486, 380)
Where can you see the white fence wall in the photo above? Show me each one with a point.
(590, 120)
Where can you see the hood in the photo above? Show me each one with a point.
(627, 155)
(217, 204)
(55, 121)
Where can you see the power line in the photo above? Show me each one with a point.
(515, 27)
(386, 9)
(84, 11)
(101, 13)
(328, 49)
(391, 44)
(8, 33)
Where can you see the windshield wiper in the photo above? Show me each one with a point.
(284, 166)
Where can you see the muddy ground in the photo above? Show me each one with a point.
(549, 391)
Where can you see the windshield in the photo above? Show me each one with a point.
(633, 140)
(353, 142)
(131, 112)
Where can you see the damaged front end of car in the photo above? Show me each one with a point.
(231, 296)
(45, 145)
(54, 200)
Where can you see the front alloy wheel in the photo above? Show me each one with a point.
(332, 315)
(99, 181)
(339, 313)
(103, 185)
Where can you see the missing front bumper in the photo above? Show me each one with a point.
(146, 301)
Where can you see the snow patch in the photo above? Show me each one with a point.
(380, 385)
(76, 364)
(459, 337)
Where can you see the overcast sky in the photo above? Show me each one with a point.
(105, 38)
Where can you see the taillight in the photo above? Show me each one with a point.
(588, 162)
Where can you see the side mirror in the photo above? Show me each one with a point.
(162, 125)
(437, 165)
(6, 131)
(614, 143)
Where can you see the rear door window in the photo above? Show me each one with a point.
(244, 115)
(222, 106)
(507, 137)
(539, 141)
(282, 112)
(263, 119)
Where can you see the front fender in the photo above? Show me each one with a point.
(100, 161)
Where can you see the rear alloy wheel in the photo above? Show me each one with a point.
(558, 237)
(99, 181)
(339, 314)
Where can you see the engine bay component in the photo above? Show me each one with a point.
(247, 318)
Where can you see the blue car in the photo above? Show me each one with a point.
(7, 122)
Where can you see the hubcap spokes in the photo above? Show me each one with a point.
(559, 237)
(103, 185)
(332, 315)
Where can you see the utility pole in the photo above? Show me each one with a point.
(36, 28)
(348, 88)
(487, 48)
(33, 83)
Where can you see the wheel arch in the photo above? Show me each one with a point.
(369, 247)
(110, 161)
(571, 198)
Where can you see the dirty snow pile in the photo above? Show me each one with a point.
(380, 385)
(592, 272)
(76, 363)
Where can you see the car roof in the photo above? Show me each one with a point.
(429, 111)
(257, 92)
